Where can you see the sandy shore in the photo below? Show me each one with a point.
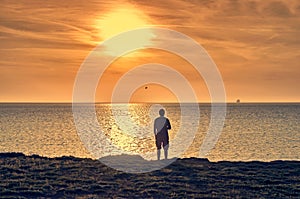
(69, 177)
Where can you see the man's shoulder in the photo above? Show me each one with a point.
(161, 118)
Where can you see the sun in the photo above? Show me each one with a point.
(120, 20)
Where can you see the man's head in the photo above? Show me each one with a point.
(161, 112)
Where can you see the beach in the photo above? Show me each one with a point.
(71, 177)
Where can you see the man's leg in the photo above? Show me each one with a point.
(166, 151)
(158, 154)
(158, 143)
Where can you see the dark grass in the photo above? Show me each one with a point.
(70, 177)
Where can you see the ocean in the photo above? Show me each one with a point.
(252, 131)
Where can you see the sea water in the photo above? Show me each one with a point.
(263, 132)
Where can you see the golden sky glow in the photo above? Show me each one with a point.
(152, 93)
(121, 19)
(254, 43)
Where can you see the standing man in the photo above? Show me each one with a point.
(161, 127)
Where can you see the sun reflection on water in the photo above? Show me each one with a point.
(132, 139)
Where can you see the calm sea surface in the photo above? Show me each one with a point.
(262, 132)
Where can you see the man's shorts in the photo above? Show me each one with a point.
(161, 141)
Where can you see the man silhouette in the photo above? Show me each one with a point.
(161, 127)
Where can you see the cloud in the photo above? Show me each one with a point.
(278, 9)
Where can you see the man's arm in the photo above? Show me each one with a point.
(168, 124)
(155, 128)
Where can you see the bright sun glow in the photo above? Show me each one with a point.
(120, 20)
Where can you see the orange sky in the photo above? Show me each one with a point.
(255, 45)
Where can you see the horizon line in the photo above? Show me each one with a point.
(202, 102)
